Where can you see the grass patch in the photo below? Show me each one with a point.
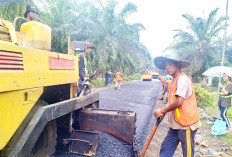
(227, 138)
(98, 82)
(204, 123)
(229, 113)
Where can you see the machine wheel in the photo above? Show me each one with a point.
(45, 145)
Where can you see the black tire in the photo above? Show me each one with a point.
(45, 145)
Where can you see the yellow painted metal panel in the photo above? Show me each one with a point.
(36, 71)
(14, 106)
(38, 35)
(20, 88)
(147, 77)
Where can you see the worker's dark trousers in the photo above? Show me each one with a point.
(80, 86)
(224, 116)
(171, 141)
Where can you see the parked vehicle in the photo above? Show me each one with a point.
(155, 75)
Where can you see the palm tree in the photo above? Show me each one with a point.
(117, 41)
(61, 16)
(200, 42)
(9, 11)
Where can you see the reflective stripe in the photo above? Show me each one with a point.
(226, 96)
(177, 113)
(118, 76)
(224, 115)
(188, 140)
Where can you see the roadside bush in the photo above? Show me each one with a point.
(128, 78)
(204, 98)
(98, 82)
(136, 76)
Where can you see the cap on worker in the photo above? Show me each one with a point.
(31, 9)
(90, 45)
(168, 77)
(160, 61)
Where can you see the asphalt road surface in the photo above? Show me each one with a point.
(138, 96)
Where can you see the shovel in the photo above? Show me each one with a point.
(151, 136)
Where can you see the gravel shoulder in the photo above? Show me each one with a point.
(206, 145)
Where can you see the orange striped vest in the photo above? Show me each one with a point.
(187, 113)
(118, 76)
(169, 83)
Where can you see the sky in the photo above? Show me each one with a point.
(161, 17)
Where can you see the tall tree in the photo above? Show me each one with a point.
(200, 42)
(9, 11)
(118, 44)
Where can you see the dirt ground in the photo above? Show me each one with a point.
(211, 142)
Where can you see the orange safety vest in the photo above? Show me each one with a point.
(161, 79)
(118, 76)
(169, 83)
(187, 113)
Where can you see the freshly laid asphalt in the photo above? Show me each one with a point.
(138, 96)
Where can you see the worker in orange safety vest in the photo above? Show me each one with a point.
(118, 79)
(182, 108)
(167, 87)
(162, 79)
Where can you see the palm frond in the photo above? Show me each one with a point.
(127, 10)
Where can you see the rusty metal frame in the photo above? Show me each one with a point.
(83, 142)
(118, 123)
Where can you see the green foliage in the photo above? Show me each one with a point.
(204, 98)
(9, 11)
(117, 42)
(200, 42)
(229, 113)
(136, 76)
(98, 82)
(100, 22)
(227, 138)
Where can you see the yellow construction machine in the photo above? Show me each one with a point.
(147, 76)
(37, 94)
(155, 75)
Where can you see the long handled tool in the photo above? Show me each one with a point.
(151, 136)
